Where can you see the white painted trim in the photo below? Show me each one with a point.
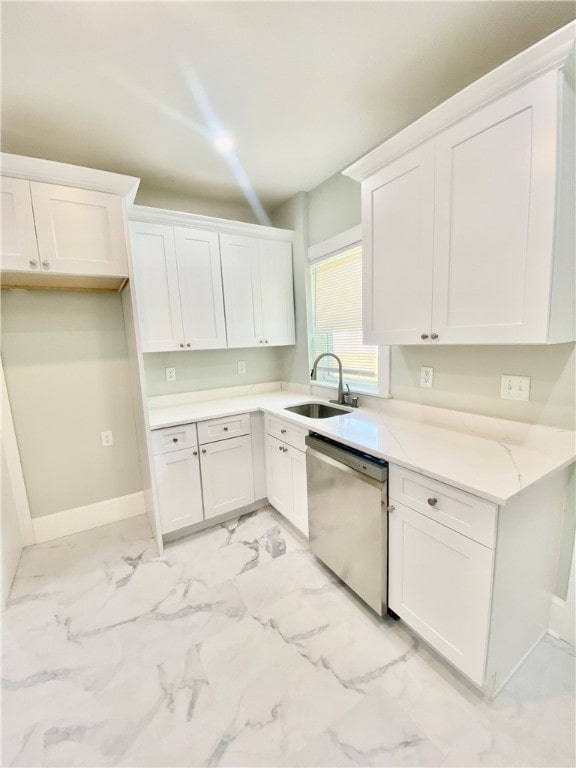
(50, 172)
(182, 219)
(562, 620)
(78, 519)
(335, 244)
(12, 454)
(555, 52)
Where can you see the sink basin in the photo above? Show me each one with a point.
(316, 410)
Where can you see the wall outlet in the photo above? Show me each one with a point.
(426, 376)
(107, 438)
(170, 374)
(515, 387)
(241, 366)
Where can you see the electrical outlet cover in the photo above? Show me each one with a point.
(426, 376)
(170, 374)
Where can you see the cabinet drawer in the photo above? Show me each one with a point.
(221, 429)
(173, 439)
(458, 510)
(287, 432)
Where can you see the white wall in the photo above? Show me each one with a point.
(67, 375)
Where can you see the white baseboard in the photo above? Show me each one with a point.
(79, 519)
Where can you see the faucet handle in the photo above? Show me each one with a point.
(348, 389)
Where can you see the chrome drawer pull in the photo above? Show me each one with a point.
(432, 502)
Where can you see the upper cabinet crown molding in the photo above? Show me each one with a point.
(149, 215)
(50, 172)
(555, 52)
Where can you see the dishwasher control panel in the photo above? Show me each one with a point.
(351, 457)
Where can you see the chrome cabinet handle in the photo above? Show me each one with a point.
(265, 341)
(434, 336)
(45, 263)
(182, 346)
(391, 508)
(225, 429)
(33, 263)
(432, 502)
(194, 453)
(203, 450)
(174, 439)
(279, 447)
(423, 336)
(187, 345)
(283, 431)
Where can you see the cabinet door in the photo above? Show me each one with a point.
(397, 249)
(440, 584)
(179, 489)
(277, 292)
(278, 476)
(241, 278)
(200, 281)
(80, 232)
(227, 475)
(156, 278)
(495, 193)
(298, 513)
(19, 247)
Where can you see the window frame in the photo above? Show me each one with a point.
(333, 246)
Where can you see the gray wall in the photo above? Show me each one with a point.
(67, 375)
(211, 369)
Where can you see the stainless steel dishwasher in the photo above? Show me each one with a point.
(348, 516)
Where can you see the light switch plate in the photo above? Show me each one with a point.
(515, 387)
(426, 376)
(170, 374)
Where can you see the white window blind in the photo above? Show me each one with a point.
(337, 320)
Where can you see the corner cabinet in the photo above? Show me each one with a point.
(258, 291)
(468, 236)
(205, 283)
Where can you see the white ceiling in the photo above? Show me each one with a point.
(304, 87)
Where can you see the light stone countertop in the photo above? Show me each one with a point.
(491, 458)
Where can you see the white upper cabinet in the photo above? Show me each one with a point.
(258, 291)
(178, 287)
(79, 231)
(398, 212)
(468, 214)
(200, 281)
(48, 228)
(156, 278)
(494, 220)
(19, 245)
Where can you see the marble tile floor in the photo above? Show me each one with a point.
(237, 648)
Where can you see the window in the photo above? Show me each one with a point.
(336, 293)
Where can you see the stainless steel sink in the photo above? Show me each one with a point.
(316, 410)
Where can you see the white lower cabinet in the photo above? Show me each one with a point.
(196, 482)
(286, 482)
(440, 584)
(179, 489)
(474, 579)
(227, 475)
